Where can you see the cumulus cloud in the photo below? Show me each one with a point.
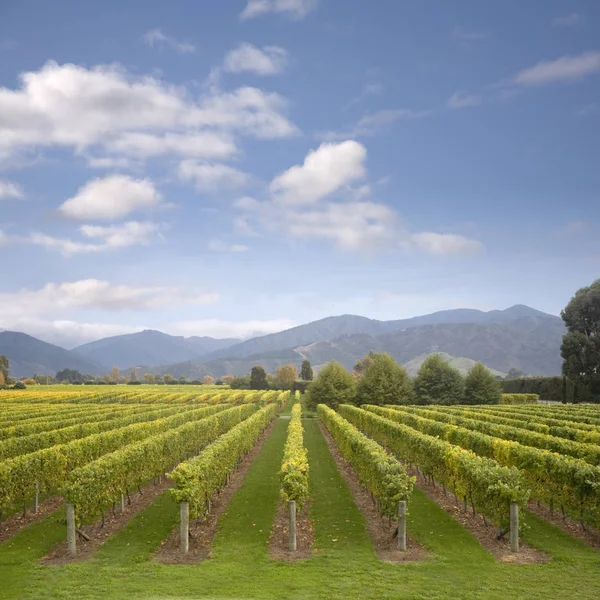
(111, 198)
(96, 294)
(324, 171)
(223, 247)
(271, 60)
(106, 109)
(462, 99)
(38, 311)
(155, 38)
(566, 69)
(296, 9)
(10, 190)
(212, 177)
(317, 200)
(113, 237)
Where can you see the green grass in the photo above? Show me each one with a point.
(343, 564)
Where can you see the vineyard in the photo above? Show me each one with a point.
(109, 481)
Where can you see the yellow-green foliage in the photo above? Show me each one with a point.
(294, 469)
(197, 479)
(380, 472)
(519, 399)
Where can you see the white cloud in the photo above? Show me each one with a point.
(155, 38)
(131, 233)
(324, 171)
(37, 312)
(110, 198)
(222, 247)
(271, 60)
(462, 99)
(569, 20)
(296, 9)
(198, 145)
(373, 123)
(212, 177)
(10, 190)
(574, 228)
(444, 244)
(300, 207)
(227, 329)
(105, 108)
(565, 69)
(95, 294)
(108, 162)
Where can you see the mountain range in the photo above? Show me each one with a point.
(519, 337)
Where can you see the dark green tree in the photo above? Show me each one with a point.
(258, 378)
(576, 393)
(383, 382)
(580, 347)
(240, 383)
(563, 390)
(333, 386)
(438, 382)
(481, 386)
(306, 372)
(514, 373)
(4, 368)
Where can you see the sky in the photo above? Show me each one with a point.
(237, 168)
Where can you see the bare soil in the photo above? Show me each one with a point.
(202, 532)
(16, 522)
(279, 539)
(573, 527)
(379, 528)
(485, 533)
(112, 524)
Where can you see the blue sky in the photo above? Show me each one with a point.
(239, 167)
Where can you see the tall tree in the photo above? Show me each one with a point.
(333, 386)
(4, 367)
(285, 377)
(306, 372)
(148, 378)
(563, 390)
(580, 347)
(133, 373)
(481, 386)
(209, 380)
(116, 375)
(384, 381)
(438, 382)
(362, 364)
(258, 378)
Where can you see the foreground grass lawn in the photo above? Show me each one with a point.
(343, 564)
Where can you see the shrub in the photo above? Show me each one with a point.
(481, 387)
(383, 382)
(333, 386)
(19, 386)
(519, 399)
(438, 382)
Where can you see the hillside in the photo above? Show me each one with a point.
(28, 355)
(149, 347)
(464, 365)
(332, 328)
(530, 344)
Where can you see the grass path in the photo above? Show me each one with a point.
(343, 564)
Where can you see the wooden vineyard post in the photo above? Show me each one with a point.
(184, 527)
(122, 503)
(514, 527)
(402, 525)
(292, 513)
(36, 499)
(71, 533)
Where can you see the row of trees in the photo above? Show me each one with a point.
(379, 379)
(285, 378)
